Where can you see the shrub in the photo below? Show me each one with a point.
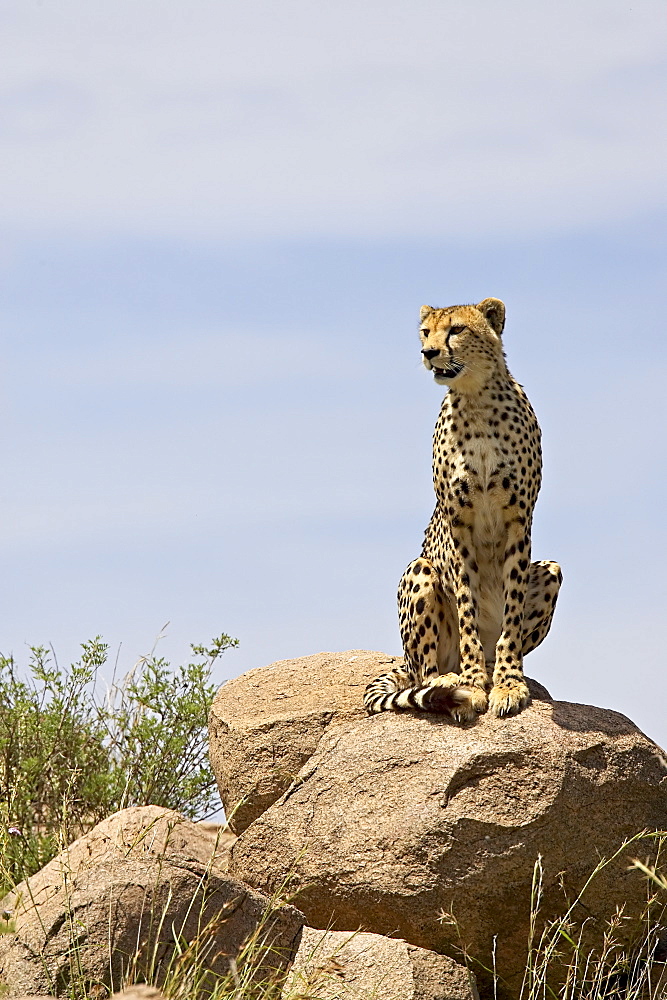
(69, 758)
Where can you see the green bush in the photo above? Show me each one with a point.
(69, 758)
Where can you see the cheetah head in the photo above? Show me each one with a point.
(462, 345)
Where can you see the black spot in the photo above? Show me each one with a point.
(420, 606)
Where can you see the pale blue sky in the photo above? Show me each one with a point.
(220, 220)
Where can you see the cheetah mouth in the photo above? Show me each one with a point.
(453, 369)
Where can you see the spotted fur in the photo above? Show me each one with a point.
(473, 604)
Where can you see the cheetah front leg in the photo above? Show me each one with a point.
(473, 676)
(510, 693)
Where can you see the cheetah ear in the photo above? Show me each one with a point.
(493, 311)
(424, 311)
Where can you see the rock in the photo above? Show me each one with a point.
(414, 826)
(131, 993)
(221, 836)
(112, 903)
(139, 993)
(265, 725)
(335, 965)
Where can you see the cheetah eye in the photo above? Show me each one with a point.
(456, 329)
(424, 331)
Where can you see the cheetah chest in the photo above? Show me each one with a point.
(482, 466)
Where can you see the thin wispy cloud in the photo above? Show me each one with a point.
(356, 119)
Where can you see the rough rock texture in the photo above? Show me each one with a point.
(220, 836)
(264, 725)
(335, 965)
(139, 993)
(136, 879)
(397, 820)
(131, 993)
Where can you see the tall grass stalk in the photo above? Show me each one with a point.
(561, 963)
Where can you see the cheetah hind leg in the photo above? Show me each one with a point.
(405, 688)
(543, 586)
(430, 642)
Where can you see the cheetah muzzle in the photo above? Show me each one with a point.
(473, 604)
(453, 369)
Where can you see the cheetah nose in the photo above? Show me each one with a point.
(430, 354)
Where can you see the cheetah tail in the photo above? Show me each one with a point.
(384, 695)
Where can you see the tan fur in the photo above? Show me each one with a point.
(473, 604)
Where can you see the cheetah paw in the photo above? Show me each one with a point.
(477, 702)
(508, 698)
(470, 701)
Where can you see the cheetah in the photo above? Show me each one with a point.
(473, 604)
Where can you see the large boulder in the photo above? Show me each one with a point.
(123, 898)
(413, 826)
(334, 965)
(265, 725)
